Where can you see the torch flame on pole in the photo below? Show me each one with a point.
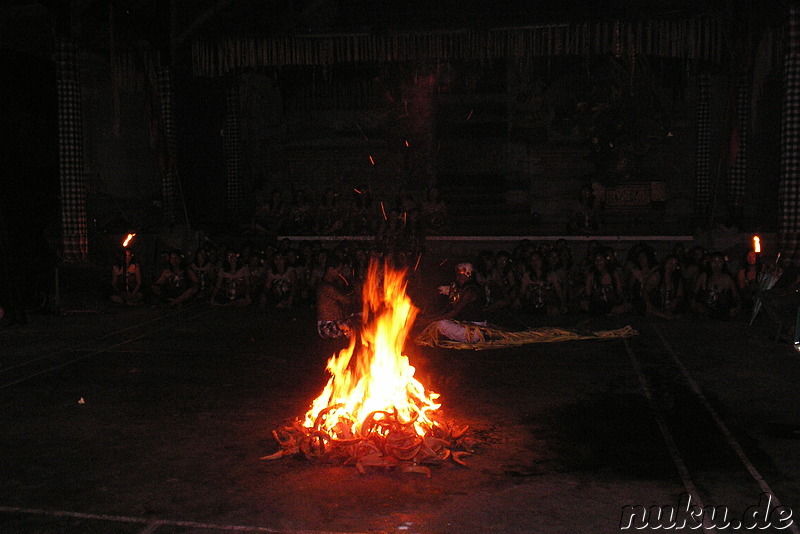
(128, 240)
(756, 244)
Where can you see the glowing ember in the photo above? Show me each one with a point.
(373, 412)
(128, 240)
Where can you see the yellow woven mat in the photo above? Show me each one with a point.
(496, 338)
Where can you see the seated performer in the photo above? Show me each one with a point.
(664, 291)
(603, 291)
(280, 284)
(715, 292)
(232, 288)
(748, 278)
(333, 302)
(205, 272)
(126, 279)
(176, 284)
(466, 303)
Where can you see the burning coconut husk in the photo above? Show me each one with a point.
(373, 413)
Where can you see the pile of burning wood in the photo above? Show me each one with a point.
(373, 413)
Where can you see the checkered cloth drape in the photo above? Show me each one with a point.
(169, 178)
(737, 171)
(702, 193)
(789, 189)
(232, 146)
(74, 228)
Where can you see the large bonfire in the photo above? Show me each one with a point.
(373, 412)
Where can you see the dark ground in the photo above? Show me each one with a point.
(150, 420)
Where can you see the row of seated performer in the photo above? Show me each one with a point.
(547, 281)
(531, 279)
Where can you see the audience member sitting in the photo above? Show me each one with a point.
(715, 293)
(434, 211)
(271, 214)
(361, 213)
(300, 220)
(176, 284)
(401, 231)
(126, 279)
(233, 283)
(585, 217)
(330, 216)
(664, 291)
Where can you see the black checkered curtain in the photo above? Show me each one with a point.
(789, 189)
(702, 194)
(74, 228)
(233, 150)
(737, 170)
(169, 176)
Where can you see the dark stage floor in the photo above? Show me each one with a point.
(153, 421)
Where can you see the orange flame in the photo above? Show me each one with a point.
(377, 377)
(756, 244)
(128, 240)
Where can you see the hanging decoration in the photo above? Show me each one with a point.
(232, 146)
(168, 154)
(737, 171)
(703, 147)
(697, 38)
(74, 228)
(789, 188)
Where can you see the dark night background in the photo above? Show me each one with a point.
(662, 101)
